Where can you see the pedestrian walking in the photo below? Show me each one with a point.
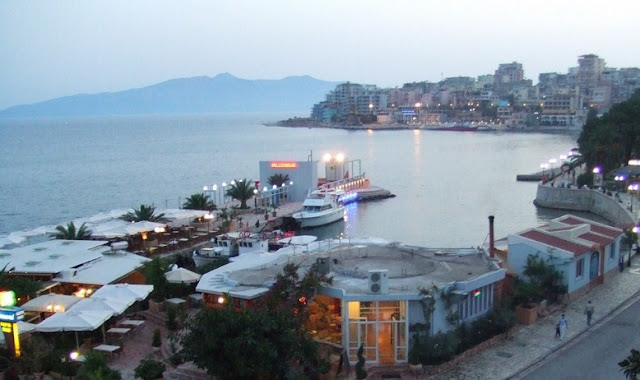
(588, 311)
(563, 324)
(557, 330)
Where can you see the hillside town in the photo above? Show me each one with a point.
(504, 99)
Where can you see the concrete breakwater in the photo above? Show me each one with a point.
(592, 201)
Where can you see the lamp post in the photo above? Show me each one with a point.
(597, 176)
(208, 216)
(255, 200)
(618, 179)
(551, 162)
(224, 195)
(633, 187)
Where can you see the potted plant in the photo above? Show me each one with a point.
(149, 369)
(156, 340)
(414, 356)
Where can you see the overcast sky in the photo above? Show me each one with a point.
(53, 48)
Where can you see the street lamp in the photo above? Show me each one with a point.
(255, 200)
(551, 162)
(208, 216)
(597, 176)
(618, 179)
(633, 187)
(224, 195)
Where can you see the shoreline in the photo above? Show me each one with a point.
(310, 124)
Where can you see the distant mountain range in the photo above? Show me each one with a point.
(222, 93)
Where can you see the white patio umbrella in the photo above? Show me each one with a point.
(143, 226)
(74, 321)
(124, 291)
(182, 276)
(51, 302)
(116, 306)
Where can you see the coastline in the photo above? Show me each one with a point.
(308, 123)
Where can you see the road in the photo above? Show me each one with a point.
(596, 353)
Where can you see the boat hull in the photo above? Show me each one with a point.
(311, 219)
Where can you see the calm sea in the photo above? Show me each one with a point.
(447, 183)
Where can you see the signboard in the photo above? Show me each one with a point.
(284, 164)
(11, 314)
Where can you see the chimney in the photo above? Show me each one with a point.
(492, 241)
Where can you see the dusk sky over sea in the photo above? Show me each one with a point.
(59, 48)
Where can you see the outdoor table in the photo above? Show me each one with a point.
(118, 330)
(132, 322)
(108, 348)
(176, 301)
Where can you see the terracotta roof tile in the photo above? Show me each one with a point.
(554, 241)
(607, 231)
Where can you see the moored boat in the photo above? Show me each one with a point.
(322, 206)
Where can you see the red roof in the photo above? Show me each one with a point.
(607, 231)
(554, 241)
(596, 238)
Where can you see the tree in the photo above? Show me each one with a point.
(273, 331)
(154, 271)
(241, 190)
(23, 287)
(145, 212)
(199, 201)
(70, 232)
(278, 179)
(95, 367)
(544, 281)
(630, 366)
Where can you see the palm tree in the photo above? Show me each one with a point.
(145, 212)
(70, 232)
(241, 190)
(630, 366)
(199, 201)
(278, 179)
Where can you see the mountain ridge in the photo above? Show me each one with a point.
(199, 94)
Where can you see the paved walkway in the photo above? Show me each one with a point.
(531, 344)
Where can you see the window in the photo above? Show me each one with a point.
(579, 267)
(613, 249)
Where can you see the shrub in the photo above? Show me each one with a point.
(361, 373)
(149, 369)
(156, 340)
(172, 318)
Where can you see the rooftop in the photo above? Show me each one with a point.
(409, 268)
(52, 256)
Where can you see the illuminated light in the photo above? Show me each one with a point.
(284, 164)
(74, 355)
(326, 157)
(340, 157)
(477, 293)
(220, 300)
(205, 188)
(348, 198)
(303, 300)
(7, 298)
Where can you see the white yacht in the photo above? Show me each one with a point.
(322, 206)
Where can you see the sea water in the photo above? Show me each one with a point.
(446, 183)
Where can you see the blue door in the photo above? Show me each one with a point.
(593, 268)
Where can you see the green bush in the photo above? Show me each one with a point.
(149, 369)
(95, 367)
(156, 340)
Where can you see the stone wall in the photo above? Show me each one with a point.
(595, 202)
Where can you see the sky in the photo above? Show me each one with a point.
(54, 48)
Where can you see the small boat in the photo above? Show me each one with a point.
(322, 206)
(237, 243)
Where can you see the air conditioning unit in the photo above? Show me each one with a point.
(378, 281)
(323, 265)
